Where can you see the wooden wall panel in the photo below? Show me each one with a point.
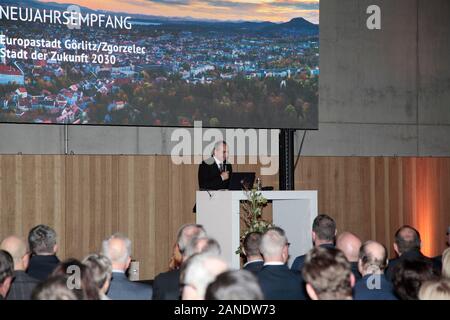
(87, 198)
(91, 202)
(32, 191)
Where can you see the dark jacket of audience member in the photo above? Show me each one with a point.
(166, 286)
(355, 271)
(408, 276)
(413, 254)
(254, 266)
(22, 286)
(41, 267)
(299, 262)
(279, 283)
(122, 288)
(382, 288)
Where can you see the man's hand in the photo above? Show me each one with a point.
(225, 175)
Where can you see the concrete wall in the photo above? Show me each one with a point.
(382, 92)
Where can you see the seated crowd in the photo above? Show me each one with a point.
(339, 267)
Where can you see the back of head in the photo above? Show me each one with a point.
(42, 240)
(273, 242)
(446, 264)
(324, 227)
(117, 249)
(203, 245)
(406, 239)
(56, 288)
(372, 257)
(188, 232)
(251, 244)
(6, 266)
(328, 272)
(349, 244)
(81, 279)
(408, 276)
(199, 272)
(17, 247)
(234, 285)
(100, 267)
(435, 290)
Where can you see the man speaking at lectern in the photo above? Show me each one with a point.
(214, 173)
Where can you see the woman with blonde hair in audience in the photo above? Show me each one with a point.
(435, 290)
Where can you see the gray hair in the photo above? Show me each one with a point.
(201, 270)
(273, 242)
(186, 233)
(117, 256)
(42, 239)
(100, 267)
(211, 246)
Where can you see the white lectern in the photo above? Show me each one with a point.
(293, 211)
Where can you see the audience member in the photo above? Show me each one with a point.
(323, 235)
(234, 285)
(80, 277)
(446, 264)
(101, 270)
(42, 242)
(22, 285)
(438, 260)
(6, 273)
(350, 244)
(55, 288)
(408, 276)
(203, 245)
(435, 290)
(118, 249)
(276, 280)
(407, 246)
(166, 285)
(250, 248)
(176, 259)
(328, 275)
(200, 270)
(373, 285)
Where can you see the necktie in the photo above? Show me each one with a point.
(221, 167)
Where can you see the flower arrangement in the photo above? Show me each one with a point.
(252, 216)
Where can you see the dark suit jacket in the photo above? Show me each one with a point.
(355, 271)
(123, 289)
(41, 267)
(209, 176)
(22, 286)
(166, 286)
(280, 283)
(384, 292)
(410, 255)
(254, 266)
(298, 263)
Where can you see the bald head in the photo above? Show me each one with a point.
(118, 249)
(18, 249)
(372, 258)
(349, 244)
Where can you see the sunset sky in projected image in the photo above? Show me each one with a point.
(249, 10)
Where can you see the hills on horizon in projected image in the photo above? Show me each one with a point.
(226, 74)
